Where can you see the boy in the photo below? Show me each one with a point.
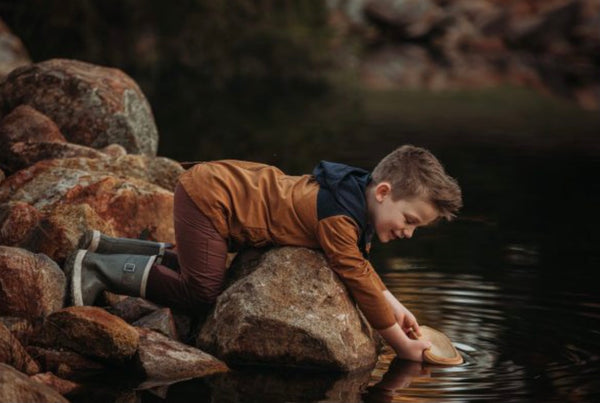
(223, 205)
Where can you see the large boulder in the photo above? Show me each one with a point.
(92, 105)
(161, 358)
(92, 332)
(13, 353)
(288, 308)
(53, 202)
(31, 285)
(12, 51)
(16, 387)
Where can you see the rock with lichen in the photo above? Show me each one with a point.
(92, 105)
(32, 286)
(91, 332)
(53, 202)
(288, 308)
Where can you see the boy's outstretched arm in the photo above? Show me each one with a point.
(403, 316)
(338, 237)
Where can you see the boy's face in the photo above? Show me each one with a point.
(397, 219)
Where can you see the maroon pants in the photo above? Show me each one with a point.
(201, 257)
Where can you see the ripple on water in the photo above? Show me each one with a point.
(519, 344)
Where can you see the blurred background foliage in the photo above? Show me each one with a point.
(226, 79)
(290, 82)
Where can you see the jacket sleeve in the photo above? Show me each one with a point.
(338, 237)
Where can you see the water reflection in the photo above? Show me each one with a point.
(519, 344)
(522, 340)
(266, 385)
(400, 375)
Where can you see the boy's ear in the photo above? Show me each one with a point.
(382, 190)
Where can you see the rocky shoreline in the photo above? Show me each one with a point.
(79, 152)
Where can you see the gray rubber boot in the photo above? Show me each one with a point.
(91, 273)
(97, 242)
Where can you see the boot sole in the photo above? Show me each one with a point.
(73, 274)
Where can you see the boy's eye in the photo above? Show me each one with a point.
(410, 220)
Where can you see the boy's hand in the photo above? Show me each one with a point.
(404, 347)
(404, 317)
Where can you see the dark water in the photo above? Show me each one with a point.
(520, 343)
(523, 337)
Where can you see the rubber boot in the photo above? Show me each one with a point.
(97, 242)
(91, 273)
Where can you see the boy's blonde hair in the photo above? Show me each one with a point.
(416, 172)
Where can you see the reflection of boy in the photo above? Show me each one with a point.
(222, 205)
(400, 375)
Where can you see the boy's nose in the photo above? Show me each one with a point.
(408, 232)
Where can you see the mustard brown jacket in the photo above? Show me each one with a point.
(255, 204)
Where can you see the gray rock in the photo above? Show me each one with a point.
(92, 105)
(41, 278)
(16, 387)
(161, 321)
(288, 309)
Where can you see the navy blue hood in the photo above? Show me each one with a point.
(343, 191)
